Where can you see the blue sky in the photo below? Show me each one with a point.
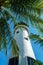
(3, 58)
(37, 49)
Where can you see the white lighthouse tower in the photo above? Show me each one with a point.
(26, 54)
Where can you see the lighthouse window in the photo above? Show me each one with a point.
(13, 61)
(30, 61)
(26, 38)
(17, 32)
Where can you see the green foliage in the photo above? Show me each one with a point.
(36, 62)
(37, 39)
(29, 9)
(26, 8)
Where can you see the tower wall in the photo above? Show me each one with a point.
(26, 54)
(23, 42)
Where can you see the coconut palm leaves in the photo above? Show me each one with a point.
(37, 39)
(28, 9)
(5, 15)
(40, 4)
(36, 62)
(4, 33)
(4, 3)
(22, 6)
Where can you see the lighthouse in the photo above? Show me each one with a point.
(26, 53)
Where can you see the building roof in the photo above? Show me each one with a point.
(21, 23)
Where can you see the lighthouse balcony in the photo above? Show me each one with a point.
(15, 61)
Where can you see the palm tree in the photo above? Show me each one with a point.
(4, 26)
(28, 9)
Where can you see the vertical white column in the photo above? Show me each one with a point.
(24, 45)
(22, 60)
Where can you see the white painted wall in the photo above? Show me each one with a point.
(25, 48)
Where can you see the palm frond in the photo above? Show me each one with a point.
(5, 31)
(37, 39)
(31, 11)
(24, 6)
(4, 3)
(37, 62)
(14, 47)
(37, 23)
(9, 14)
(40, 4)
(28, 9)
